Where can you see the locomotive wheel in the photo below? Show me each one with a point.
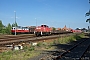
(37, 34)
(13, 33)
(47, 34)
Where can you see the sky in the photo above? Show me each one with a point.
(54, 13)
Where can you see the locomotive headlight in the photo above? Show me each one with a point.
(36, 28)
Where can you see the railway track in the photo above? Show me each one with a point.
(86, 55)
(80, 51)
(17, 36)
(24, 40)
(13, 40)
(76, 52)
(10, 40)
(11, 37)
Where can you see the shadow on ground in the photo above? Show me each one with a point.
(60, 48)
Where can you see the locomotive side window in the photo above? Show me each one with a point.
(25, 28)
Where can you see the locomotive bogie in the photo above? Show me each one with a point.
(42, 33)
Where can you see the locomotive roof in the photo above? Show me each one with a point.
(20, 27)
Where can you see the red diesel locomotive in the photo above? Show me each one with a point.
(42, 30)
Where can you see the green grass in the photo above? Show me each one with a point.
(70, 39)
(24, 54)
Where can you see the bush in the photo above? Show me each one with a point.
(31, 48)
(25, 48)
(39, 44)
(54, 42)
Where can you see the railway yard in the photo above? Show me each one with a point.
(50, 47)
(10, 40)
(44, 30)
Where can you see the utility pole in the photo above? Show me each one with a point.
(15, 22)
(36, 22)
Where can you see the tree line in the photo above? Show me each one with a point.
(6, 29)
(88, 14)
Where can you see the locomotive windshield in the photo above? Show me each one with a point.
(44, 26)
